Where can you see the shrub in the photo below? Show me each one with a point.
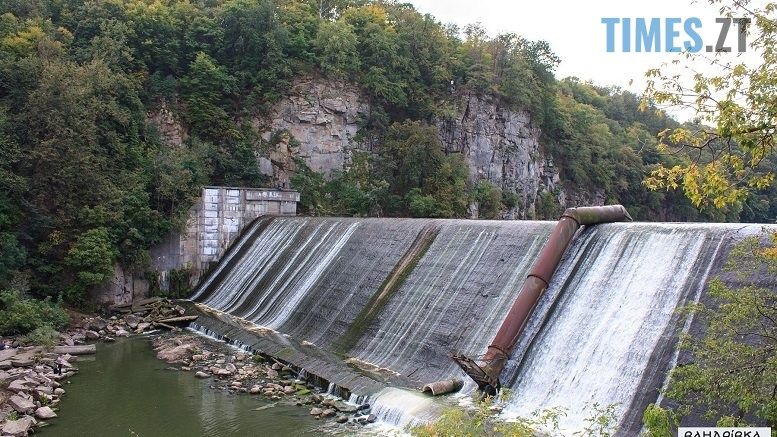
(45, 336)
(20, 316)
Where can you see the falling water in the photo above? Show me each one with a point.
(604, 332)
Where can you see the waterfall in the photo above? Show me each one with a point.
(394, 299)
(617, 296)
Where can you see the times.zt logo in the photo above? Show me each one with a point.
(670, 34)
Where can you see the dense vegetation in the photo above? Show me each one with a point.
(86, 182)
(732, 374)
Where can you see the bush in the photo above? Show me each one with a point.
(21, 316)
(45, 336)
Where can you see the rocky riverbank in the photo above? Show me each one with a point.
(257, 375)
(32, 376)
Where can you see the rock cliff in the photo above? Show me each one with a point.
(500, 145)
(318, 121)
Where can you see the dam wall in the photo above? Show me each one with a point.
(386, 302)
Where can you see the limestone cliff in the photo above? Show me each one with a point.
(500, 145)
(318, 121)
(322, 117)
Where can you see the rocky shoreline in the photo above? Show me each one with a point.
(32, 376)
(255, 374)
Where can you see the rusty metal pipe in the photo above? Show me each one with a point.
(443, 387)
(486, 373)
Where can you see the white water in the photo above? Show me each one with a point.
(613, 310)
(593, 339)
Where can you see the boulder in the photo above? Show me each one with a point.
(255, 390)
(96, 323)
(7, 354)
(45, 413)
(142, 326)
(22, 362)
(175, 353)
(345, 407)
(5, 365)
(272, 374)
(20, 404)
(59, 391)
(316, 412)
(329, 412)
(341, 419)
(91, 335)
(201, 374)
(18, 385)
(132, 320)
(18, 428)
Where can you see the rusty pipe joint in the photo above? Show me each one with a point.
(486, 373)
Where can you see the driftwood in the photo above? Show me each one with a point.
(86, 349)
(165, 325)
(178, 319)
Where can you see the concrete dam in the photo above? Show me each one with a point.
(376, 307)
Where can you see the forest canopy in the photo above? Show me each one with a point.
(87, 182)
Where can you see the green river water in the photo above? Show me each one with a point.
(124, 390)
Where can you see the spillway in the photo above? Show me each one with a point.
(393, 298)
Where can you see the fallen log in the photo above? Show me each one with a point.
(180, 319)
(86, 349)
(165, 325)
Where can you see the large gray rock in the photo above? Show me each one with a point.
(21, 404)
(18, 428)
(7, 354)
(323, 116)
(45, 413)
(500, 144)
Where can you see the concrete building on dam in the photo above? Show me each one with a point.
(213, 224)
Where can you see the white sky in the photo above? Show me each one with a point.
(576, 34)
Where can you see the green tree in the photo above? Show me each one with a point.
(727, 150)
(206, 89)
(336, 49)
(489, 199)
(91, 257)
(733, 375)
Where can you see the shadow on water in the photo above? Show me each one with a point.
(125, 391)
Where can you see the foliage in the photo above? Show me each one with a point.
(659, 422)
(728, 150)
(44, 335)
(602, 422)
(179, 283)
(483, 421)
(20, 316)
(734, 369)
(85, 180)
(489, 199)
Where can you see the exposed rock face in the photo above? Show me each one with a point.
(500, 144)
(322, 115)
(170, 128)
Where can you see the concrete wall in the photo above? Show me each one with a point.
(213, 224)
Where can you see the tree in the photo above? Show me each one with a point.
(91, 257)
(733, 376)
(489, 199)
(737, 116)
(207, 88)
(336, 49)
